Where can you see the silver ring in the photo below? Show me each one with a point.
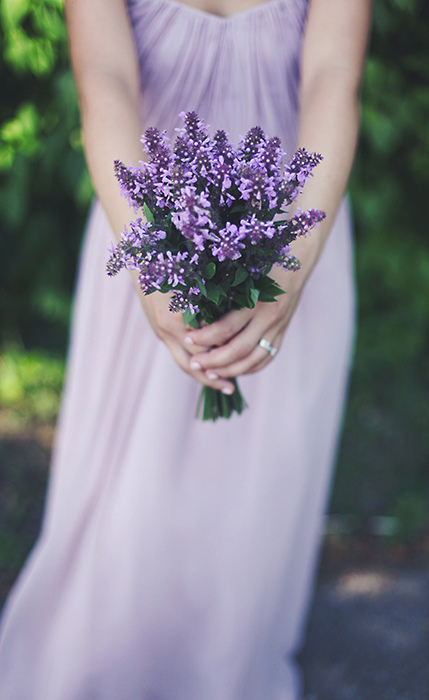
(266, 345)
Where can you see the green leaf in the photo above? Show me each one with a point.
(190, 319)
(201, 287)
(210, 271)
(207, 316)
(238, 208)
(240, 276)
(266, 297)
(268, 285)
(213, 292)
(148, 214)
(254, 296)
(165, 287)
(239, 301)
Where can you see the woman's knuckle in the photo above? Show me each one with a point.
(226, 328)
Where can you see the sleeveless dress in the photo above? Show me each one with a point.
(177, 557)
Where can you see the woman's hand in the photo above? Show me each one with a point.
(230, 346)
(169, 327)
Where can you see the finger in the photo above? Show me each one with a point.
(221, 331)
(276, 343)
(180, 333)
(255, 361)
(182, 359)
(172, 335)
(191, 348)
(243, 366)
(236, 349)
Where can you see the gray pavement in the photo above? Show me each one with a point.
(368, 635)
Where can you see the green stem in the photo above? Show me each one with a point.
(215, 404)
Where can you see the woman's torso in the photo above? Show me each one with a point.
(235, 71)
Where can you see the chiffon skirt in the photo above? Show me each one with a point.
(177, 557)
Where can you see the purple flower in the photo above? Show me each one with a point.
(298, 170)
(194, 127)
(256, 187)
(169, 267)
(290, 262)
(156, 146)
(229, 243)
(223, 148)
(183, 302)
(193, 216)
(192, 136)
(251, 144)
(197, 202)
(147, 280)
(222, 179)
(287, 192)
(222, 173)
(303, 221)
(116, 261)
(202, 162)
(135, 183)
(271, 156)
(183, 149)
(208, 217)
(254, 230)
(137, 233)
(202, 198)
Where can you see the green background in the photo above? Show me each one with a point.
(45, 194)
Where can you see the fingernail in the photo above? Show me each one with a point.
(195, 365)
(212, 375)
(188, 340)
(227, 390)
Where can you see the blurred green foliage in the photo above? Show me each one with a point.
(43, 180)
(384, 454)
(30, 388)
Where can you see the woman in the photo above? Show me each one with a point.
(176, 557)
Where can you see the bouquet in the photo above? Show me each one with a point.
(212, 224)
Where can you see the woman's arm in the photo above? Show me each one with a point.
(106, 73)
(332, 61)
(331, 70)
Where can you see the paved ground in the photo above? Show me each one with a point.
(368, 634)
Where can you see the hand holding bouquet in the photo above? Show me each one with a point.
(214, 225)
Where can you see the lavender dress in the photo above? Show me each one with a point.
(176, 557)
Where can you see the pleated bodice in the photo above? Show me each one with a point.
(236, 72)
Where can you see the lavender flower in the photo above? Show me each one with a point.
(221, 147)
(271, 156)
(169, 267)
(252, 142)
(184, 302)
(304, 221)
(299, 168)
(193, 216)
(256, 188)
(157, 148)
(135, 184)
(208, 229)
(116, 261)
(290, 262)
(229, 243)
(255, 230)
